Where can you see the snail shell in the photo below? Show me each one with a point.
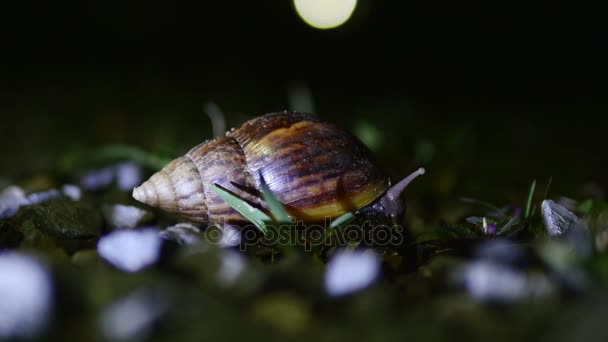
(315, 169)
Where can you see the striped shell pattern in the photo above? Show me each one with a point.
(315, 169)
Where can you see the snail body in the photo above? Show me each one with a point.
(315, 169)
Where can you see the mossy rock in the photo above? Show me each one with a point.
(59, 223)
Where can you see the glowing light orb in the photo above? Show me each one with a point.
(325, 14)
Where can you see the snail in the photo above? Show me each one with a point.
(315, 169)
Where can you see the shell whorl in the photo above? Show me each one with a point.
(183, 187)
(177, 188)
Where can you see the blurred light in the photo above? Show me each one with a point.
(351, 271)
(25, 296)
(325, 14)
(487, 281)
(128, 176)
(232, 264)
(97, 179)
(132, 317)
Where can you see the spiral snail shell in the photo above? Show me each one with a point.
(314, 168)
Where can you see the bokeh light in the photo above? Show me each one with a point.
(325, 14)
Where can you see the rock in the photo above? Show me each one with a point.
(121, 216)
(558, 219)
(562, 224)
(182, 234)
(131, 250)
(351, 271)
(25, 296)
(70, 225)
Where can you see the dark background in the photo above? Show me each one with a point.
(504, 93)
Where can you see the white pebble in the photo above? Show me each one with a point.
(11, 199)
(25, 296)
(182, 233)
(130, 250)
(72, 191)
(351, 271)
(558, 219)
(123, 216)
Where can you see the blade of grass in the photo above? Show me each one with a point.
(529, 202)
(254, 215)
(342, 220)
(134, 153)
(507, 225)
(274, 205)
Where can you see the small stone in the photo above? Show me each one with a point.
(11, 199)
(562, 224)
(25, 296)
(131, 250)
(124, 216)
(182, 234)
(558, 219)
(351, 271)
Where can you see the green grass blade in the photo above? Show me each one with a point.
(254, 215)
(276, 208)
(342, 220)
(129, 152)
(529, 202)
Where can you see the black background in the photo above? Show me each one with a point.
(526, 79)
